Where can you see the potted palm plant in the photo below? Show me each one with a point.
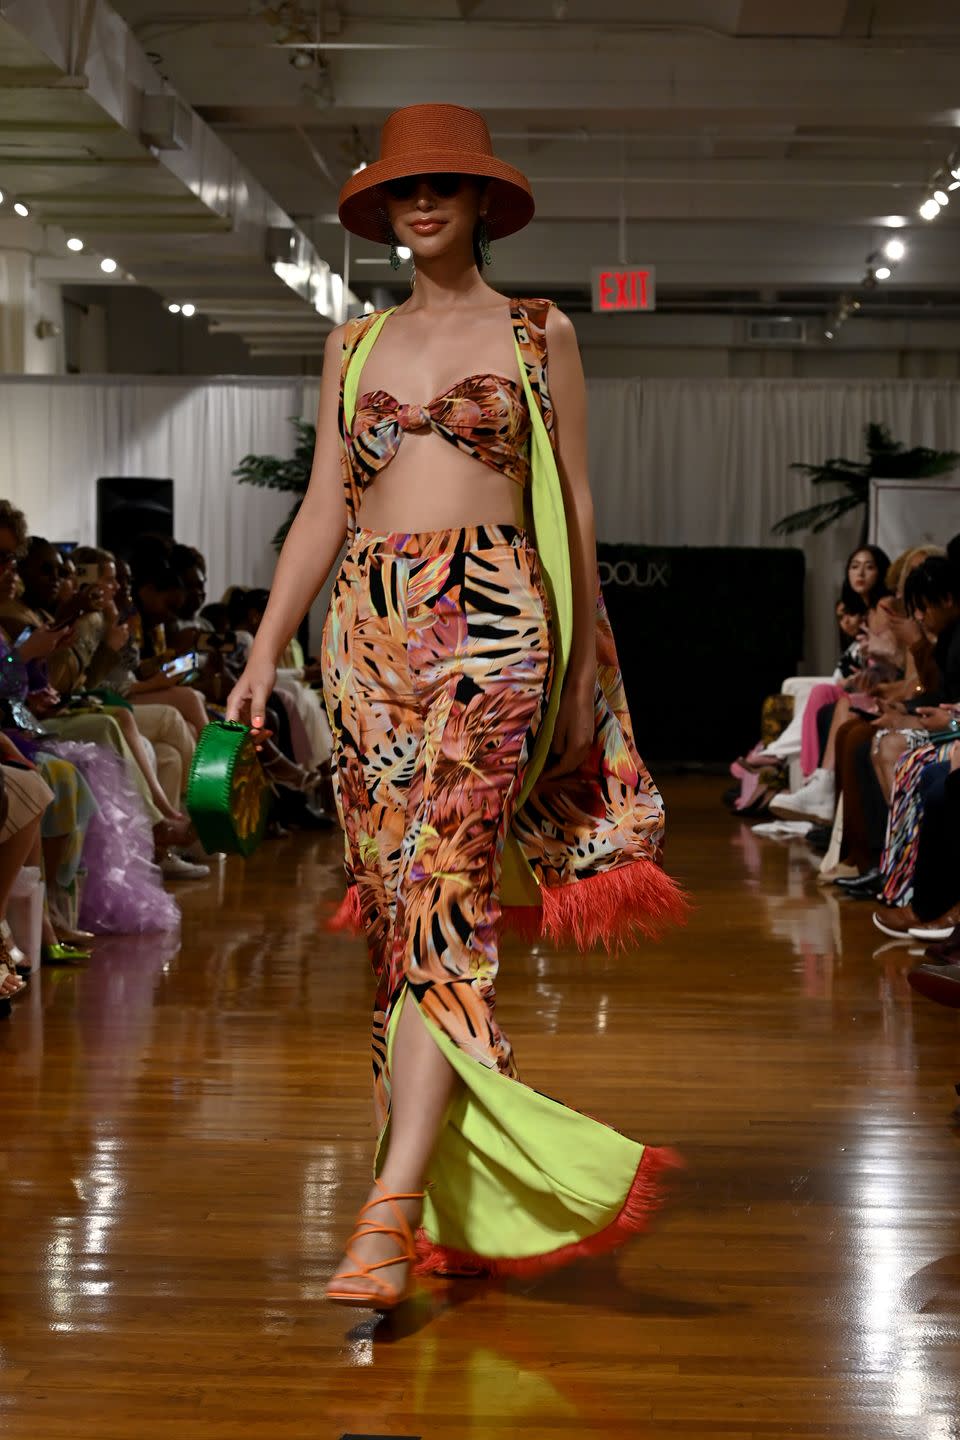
(292, 475)
(886, 458)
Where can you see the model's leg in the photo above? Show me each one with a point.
(479, 657)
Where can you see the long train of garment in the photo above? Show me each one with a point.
(437, 666)
(899, 859)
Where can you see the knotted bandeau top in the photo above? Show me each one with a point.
(484, 416)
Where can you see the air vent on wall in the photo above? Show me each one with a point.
(776, 330)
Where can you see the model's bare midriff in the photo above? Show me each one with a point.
(429, 484)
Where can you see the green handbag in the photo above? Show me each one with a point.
(228, 795)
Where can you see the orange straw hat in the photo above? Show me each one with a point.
(431, 139)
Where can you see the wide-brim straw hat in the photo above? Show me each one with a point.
(431, 139)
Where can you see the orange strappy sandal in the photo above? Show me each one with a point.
(383, 1295)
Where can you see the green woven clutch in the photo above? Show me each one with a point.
(228, 795)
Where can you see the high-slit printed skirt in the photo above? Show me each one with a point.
(437, 669)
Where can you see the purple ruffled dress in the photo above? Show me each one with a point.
(123, 893)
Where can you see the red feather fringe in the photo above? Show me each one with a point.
(614, 910)
(644, 1199)
(347, 914)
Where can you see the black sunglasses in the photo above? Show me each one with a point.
(444, 185)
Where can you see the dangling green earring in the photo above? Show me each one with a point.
(483, 240)
(394, 256)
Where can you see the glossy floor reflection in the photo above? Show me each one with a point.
(188, 1136)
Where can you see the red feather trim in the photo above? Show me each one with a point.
(347, 914)
(644, 1199)
(614, 910)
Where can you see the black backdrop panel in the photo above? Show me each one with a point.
(703, 635)
(130, 506)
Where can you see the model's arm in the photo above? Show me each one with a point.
(573, 732)
(309, 551)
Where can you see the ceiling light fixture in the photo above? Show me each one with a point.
(188, 310)
(883, 272)
(107, 265)
(929, 210)
(21, 209)
(75, 244)
(894, 249)
(404, 252)
(941, 197)
(174, 308)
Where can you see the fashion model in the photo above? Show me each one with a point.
(484, 761)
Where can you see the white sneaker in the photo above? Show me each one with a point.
(174, 867)
(931, 932)
(816, 800)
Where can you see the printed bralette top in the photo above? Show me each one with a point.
(484, 416)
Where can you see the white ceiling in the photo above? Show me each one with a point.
(755, 148)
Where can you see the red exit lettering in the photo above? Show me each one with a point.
(624, 289)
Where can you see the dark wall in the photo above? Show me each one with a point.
(703, 635)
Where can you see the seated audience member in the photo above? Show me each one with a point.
(70, 705)
(864, 584)
(24, 796)
(157, 692)
(897, 657)
(937, 880)
(933, 598)
(191, 566)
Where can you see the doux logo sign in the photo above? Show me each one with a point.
(640, 574)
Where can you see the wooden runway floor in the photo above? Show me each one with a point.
(188, 1136)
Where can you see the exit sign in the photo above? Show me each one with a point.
(624, 287)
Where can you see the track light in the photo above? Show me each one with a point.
(174, 308)
(883, 272)
(74, 244)
(21, 209)
(188, 310)
(941, 197)
(107, 265)
(930, 209)
(894, 249)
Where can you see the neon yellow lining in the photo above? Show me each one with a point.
(496, 1172)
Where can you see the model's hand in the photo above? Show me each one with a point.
(573, 732)
(248, 698)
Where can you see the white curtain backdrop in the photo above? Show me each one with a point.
(706, 462)
(58, 435)
(673, 462)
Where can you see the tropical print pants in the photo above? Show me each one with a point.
(437, 667)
